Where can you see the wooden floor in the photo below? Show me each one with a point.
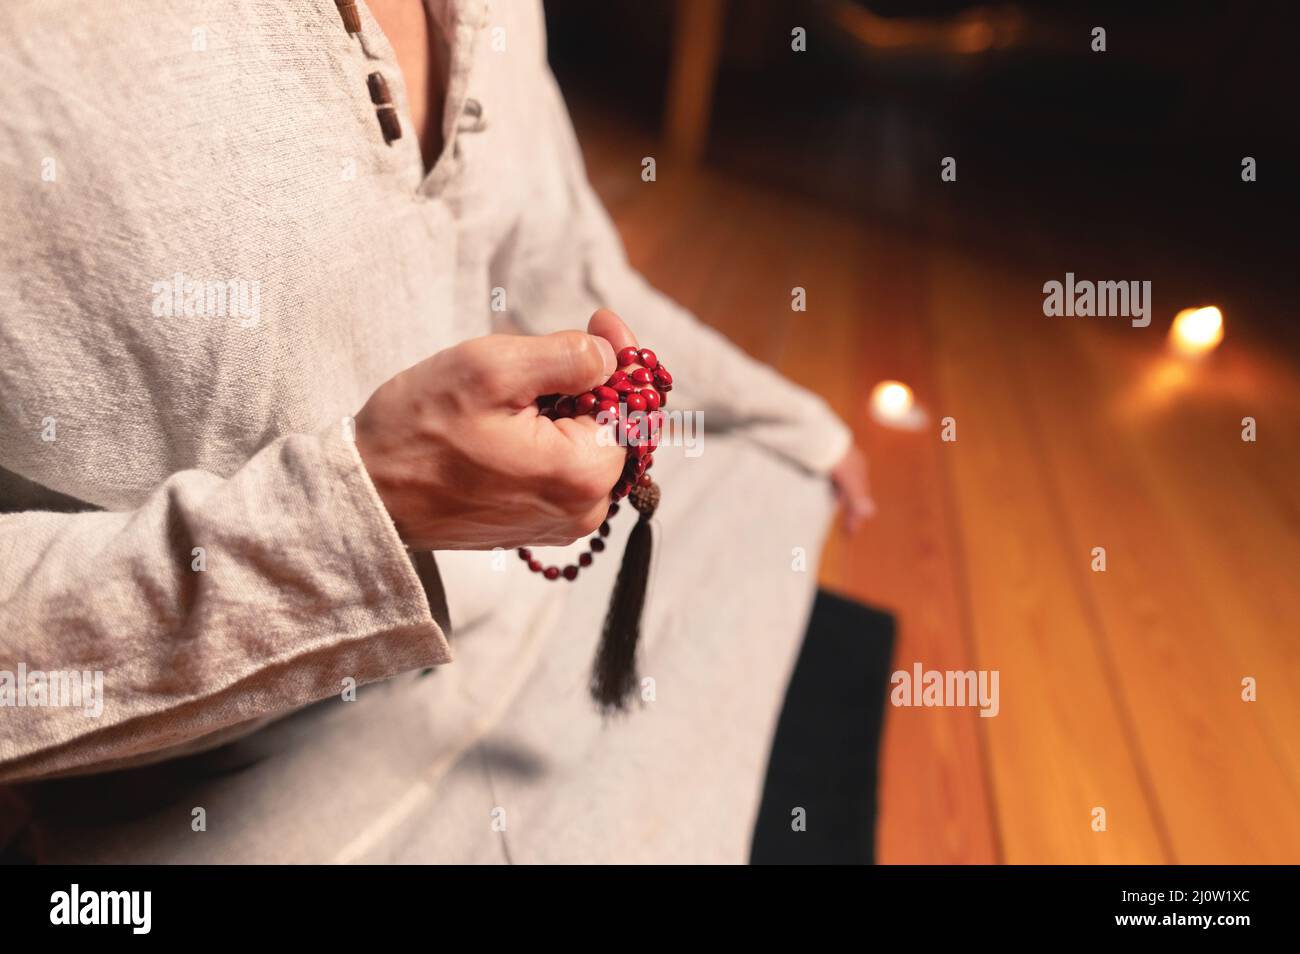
(1119, 690)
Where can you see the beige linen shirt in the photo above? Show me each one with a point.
(185, 513)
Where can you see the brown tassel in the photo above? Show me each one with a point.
(614, 676)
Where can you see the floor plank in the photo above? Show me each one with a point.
(1059, 746)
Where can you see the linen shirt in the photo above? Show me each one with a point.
(211, 258)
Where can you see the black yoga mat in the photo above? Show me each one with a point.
(826, 752)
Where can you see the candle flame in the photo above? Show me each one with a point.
(1197, 331)
(892, 397)
(893, 405)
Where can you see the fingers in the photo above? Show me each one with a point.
(605, 324)
(855, 510)
(571, 467)
(576, 470)
(852, 490)
(599, 464)
(518, 369)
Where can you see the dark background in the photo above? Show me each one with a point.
(1145, 138)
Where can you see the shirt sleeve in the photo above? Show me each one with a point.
(565, 259)
(217, 602)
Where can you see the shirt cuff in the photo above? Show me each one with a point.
(402, 587)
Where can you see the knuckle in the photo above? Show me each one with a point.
(584, 486)
(580, 479)
(587, 522)
(545, 472)
(477, 367)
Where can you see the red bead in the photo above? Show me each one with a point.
(525, 553)
(604, 392)
(627, 356)
(635, 401)
(663, 379)
(616, 377)
(643, 376)
(647, 358)
(564, 407)
(570, 572)
(613, 509)
(607, 406)
(597, 544)
(651, 398)
(624, 387)
(644, 480)
(551, 573)
(622, 489)
(535, 566)
(649, 461)
(584, 404)
(604, 529)
(584, 559)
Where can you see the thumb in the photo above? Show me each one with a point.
(566, 362)
(612, 328)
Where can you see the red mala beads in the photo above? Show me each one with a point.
(629, 403)
(595, 545)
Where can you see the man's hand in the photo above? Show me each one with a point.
(463, 461)
(849, 479)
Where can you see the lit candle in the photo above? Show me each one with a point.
(1196, 331)
(892, 404)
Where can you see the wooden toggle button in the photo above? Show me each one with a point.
(351, 16)
(383, 100)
